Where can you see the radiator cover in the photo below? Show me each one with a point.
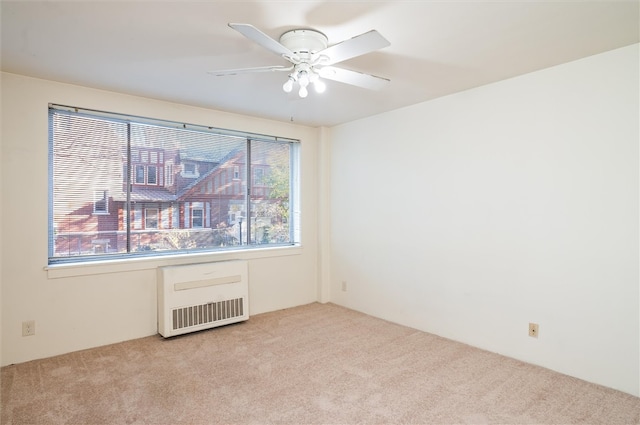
(200, 296)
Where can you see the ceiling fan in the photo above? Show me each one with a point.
(312, 59)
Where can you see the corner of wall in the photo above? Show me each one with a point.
(1, 239)
(324, 224)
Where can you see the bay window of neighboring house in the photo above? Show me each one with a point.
(152, 175)
(139, 178)
(139, 186)
(168, 173)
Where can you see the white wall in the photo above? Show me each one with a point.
(107, 304)
(468, 216)
(472, 215)
(1, 221)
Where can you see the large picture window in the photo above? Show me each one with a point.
(170, 187)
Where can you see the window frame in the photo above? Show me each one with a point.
(146, 218)
(168, 173)
(190, 174)
(155, 174)
(258, 176)
(103, 197)
(201, 217)
(294, 153)
(137, 178)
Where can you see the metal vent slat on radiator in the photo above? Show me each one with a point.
(196, 315)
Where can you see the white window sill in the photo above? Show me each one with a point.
(57, 271)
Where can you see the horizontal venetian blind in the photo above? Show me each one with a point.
(121, 186)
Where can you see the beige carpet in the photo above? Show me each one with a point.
(315, 364)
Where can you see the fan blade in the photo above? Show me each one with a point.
(359, 79)
(249, 70)
(356, 46)
(254, 34)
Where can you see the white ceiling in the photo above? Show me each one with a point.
(163, 49)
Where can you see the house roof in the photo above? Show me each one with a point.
(146, 194)
(231, 156)
(150, 194)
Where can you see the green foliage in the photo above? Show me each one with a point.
(278, 181)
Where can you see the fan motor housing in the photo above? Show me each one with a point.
(302, 41)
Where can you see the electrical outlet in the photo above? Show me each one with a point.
(344, 286)
(29, 328)
(533, 330)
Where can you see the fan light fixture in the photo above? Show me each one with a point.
(304, 76)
